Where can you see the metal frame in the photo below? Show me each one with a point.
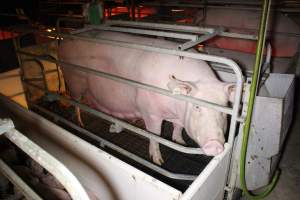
(105, 143)
(55, 167)
(17, 181)
(234, 112)
(145, 32)
(177, 28)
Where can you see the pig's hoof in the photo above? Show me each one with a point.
(80, 123)
(156, 157)
(213, 148)
(115, 128)
(179, 140)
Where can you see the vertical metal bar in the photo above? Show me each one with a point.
(16, 42)
(18, 182)
(42, 68)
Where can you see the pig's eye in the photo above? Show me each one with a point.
(196, 108)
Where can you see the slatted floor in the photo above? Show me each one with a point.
(175, 162)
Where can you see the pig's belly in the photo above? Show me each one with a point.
(113, 98)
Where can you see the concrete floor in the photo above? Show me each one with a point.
(288, 186)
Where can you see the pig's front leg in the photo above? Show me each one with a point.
(78, 116)
(153, 124)
(177, 134)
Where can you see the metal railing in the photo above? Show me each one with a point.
(18, 182)
(178, 28)
(47, 161)
(234, 111)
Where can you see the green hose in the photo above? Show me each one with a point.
(253, 90)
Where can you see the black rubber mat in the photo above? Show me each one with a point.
(175, 161)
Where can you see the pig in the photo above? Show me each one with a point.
(183, 76)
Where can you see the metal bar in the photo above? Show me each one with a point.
(9, 76)
(136, 84)
(126, 125)
(202, 38)
(146, 32)
(6, 125)
(41, 65)
(16, 94)
(160, 26)
(190, 29)
(120, 150)
(16, 42)
(56, 168)
(179, 28)
(18, 182)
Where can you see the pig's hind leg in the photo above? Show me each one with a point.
(177, 134)
(78, 116)
(153, 124)
(77, 93)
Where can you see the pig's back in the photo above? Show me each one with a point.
(144, 66)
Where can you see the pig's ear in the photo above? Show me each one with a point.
(180, 87)
(230, 89)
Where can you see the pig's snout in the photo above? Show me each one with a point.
(213, 148)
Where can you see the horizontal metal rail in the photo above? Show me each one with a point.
(179, 28)
(15, 179)
(202, 38)
(103, 143)
(160, 26)
(55, 167)
(230, 64)
(146, 32)
(134, 83)
(126, 125)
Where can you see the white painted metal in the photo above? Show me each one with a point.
(105, 143)
(56, 168)
(105, 176)
(271, 119)
(211, 182)
(18, 182)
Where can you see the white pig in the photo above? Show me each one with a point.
(180, 75)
